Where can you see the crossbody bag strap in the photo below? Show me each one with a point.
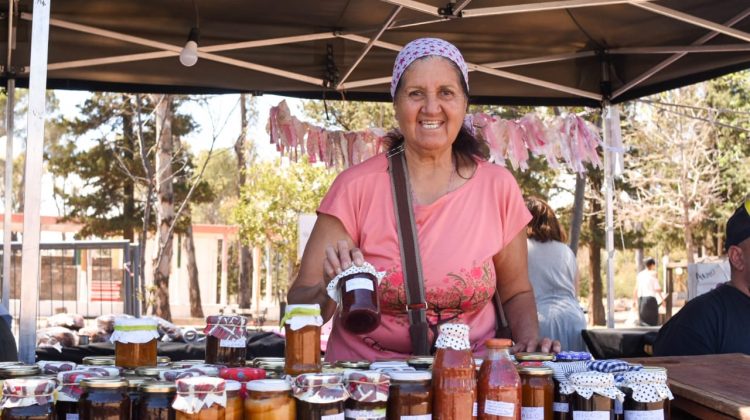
(411, 264)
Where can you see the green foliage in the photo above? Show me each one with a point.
(349, 115)
(222, 178)
(275, 195)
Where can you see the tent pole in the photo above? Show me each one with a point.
(9, 107)
(609, 216)
(32, 190)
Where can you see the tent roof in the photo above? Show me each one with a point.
(556, 50)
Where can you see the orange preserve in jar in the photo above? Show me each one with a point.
(454, 375)
(302, 330)
(498, 385)
(200, 398)
(135, 342)
(226, 340)
(269, 399)
(235, 409)
(537, 390)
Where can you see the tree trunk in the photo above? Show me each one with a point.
(128, 208)
(165, 209)
(577, 219)
(257, 264)
(148, 168)
(244, 251)
(196, 310)
(269, 274)
(596, 307)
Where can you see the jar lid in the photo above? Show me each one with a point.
(268, 385)
(353, 364)
(182, 364)
(15, 371)
(422, 362)
(414, 376)
(104, 370)
(25, 392)
(242, 374)
(231, 385)
(298, 316)
(367, 386)
(534, 357)
(389, 364)
(194, 394)
(102, 383)
(163, 360)
(535, 370)
(319, 388)
(498, 343)
(151, 371)
(333, 289)
(157, 387)
(135, 381)
(227, 328)
(274, 364)
(134, 330)
(99, 360)
(55, 367)
(572, 356)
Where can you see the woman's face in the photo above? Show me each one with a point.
(430, 104)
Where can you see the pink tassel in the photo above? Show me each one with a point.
(313, 143)
(534, 130)
(519, 155)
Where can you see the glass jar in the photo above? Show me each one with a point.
(104, 399)
(69, 392)
(134, 392)
(155, 401)
(359, 310)
(368, 395)
(410, 394)
(28, 398)
(235, 409)
(537, 391)
(647, 394)
(135, 342)
(319, 395)
(454, 386)
(269, 399)
(566, 362)
(302, 331)
(226, 340)
(498, 384)
(593, 395)
(195, 398)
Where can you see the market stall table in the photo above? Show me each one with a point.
(710, 386)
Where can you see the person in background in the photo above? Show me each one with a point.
(648, 294)
(458, 198)
(553, 273)
(717, 321)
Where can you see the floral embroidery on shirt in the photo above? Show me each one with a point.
(448, 299)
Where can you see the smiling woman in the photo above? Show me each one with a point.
(457, 198)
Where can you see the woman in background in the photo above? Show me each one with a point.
(554, 277)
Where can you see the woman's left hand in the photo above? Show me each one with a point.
(545, 345)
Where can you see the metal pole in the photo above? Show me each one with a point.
(609, 216)
(9, 114)
(32, 190)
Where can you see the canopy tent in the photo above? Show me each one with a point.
(564, 52)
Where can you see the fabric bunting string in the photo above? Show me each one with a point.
(567, 140)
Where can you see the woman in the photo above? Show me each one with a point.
(458, 200)
(554, 276)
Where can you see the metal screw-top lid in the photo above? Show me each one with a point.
(99, 360)
(103, 383)
(151, 371)
(353, 364)
(421, 363)
(410, 376)
(157, 387)
(535, 370)
(135, 381)
(534, 357)
(163, 360)
(17, 371)
(184, 364)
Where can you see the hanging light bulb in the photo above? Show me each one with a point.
(189, 53)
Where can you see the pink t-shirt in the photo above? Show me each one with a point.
(458, 236)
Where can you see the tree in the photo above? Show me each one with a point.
(244, 149)
(350, 115)
(674, 166)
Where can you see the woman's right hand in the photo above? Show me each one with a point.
(340, 257)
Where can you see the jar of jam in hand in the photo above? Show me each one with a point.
(359, 306)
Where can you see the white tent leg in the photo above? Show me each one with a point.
(32, 190)
(609, 162)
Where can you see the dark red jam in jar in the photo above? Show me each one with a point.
(226, 340)
(360, 307)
